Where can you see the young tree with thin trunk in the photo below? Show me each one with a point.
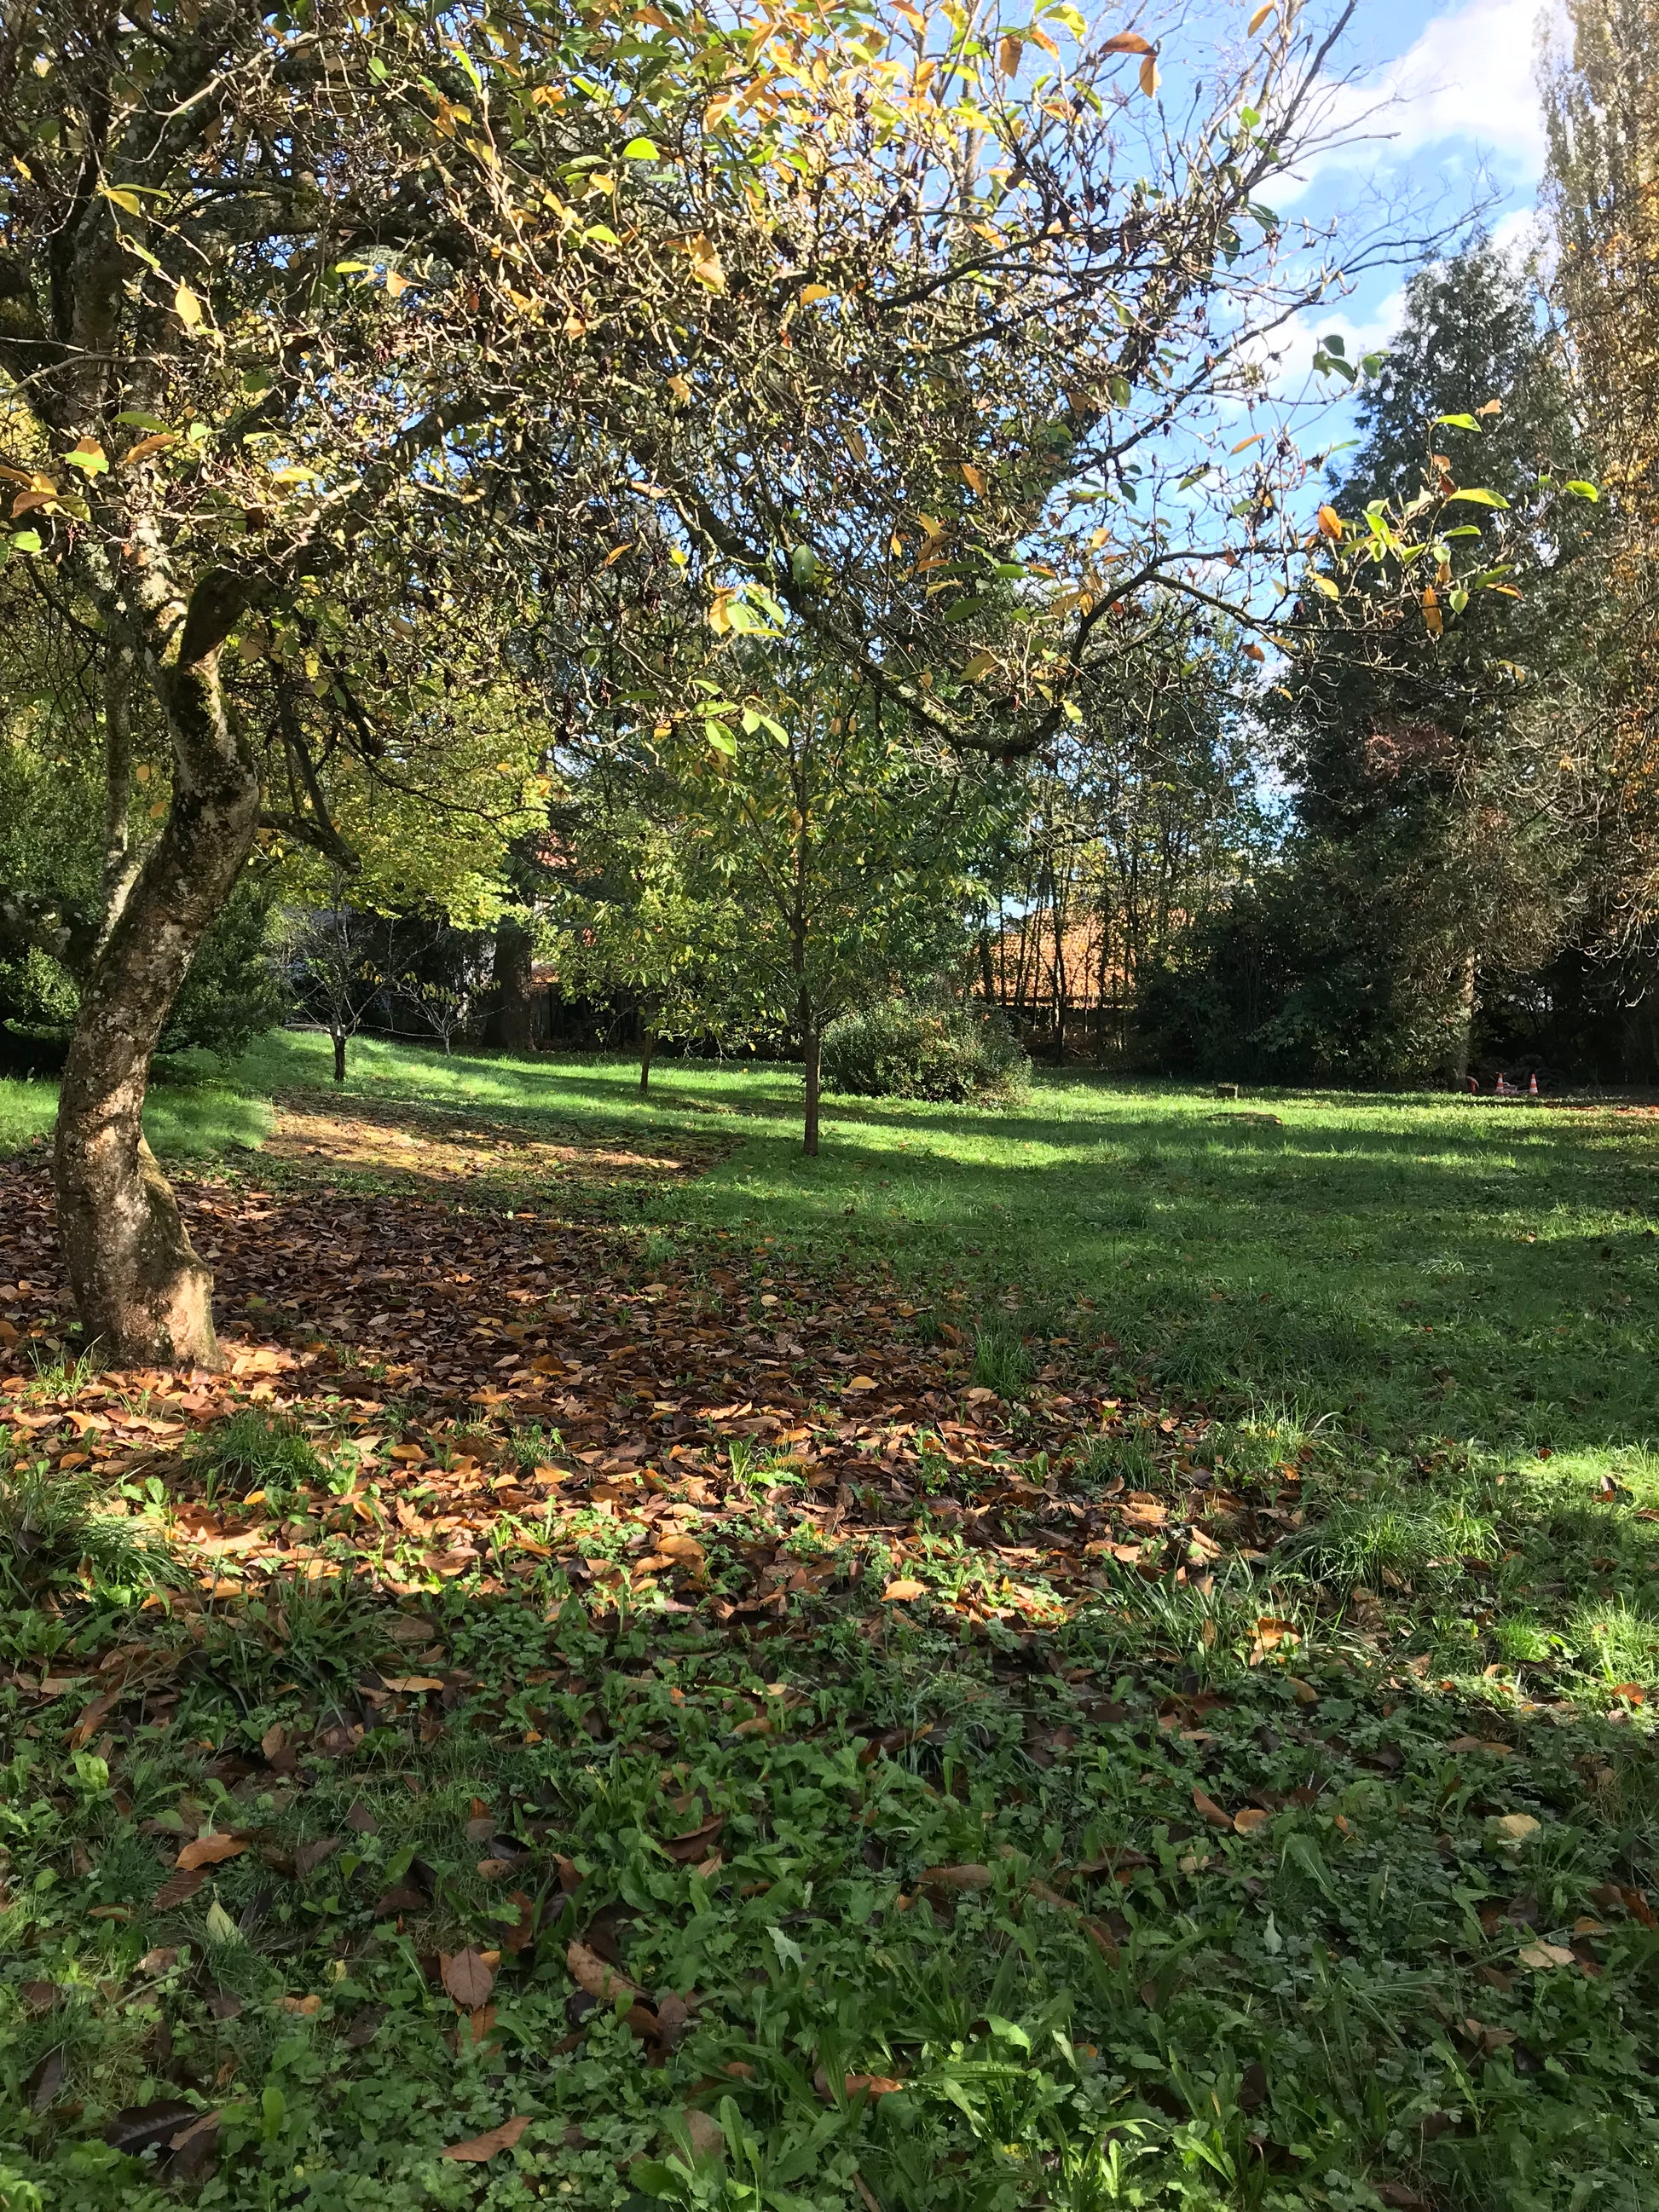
(844, 841)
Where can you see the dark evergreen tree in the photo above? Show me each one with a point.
(1437, 800)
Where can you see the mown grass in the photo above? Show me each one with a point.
(198, 1117)
(1323, 1881)
(1418, 1269)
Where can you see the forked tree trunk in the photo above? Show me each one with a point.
(338, 1037)
(515, 981)
(144, 1294)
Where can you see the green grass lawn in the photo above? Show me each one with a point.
(1325, 1880)
(1409, 1270)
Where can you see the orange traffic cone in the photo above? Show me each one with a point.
(1532, 1085)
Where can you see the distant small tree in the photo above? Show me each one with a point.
(334, 969)
(446, 991)
(844, 844)
(630, 924)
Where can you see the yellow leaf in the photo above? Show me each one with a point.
(974, 478)
(1008, 57)
(706, 262)
(1491, 407)
(187, 307)
(1258, 20)
(1330, 523)
(810, 294)
(913, 17)
(1038, 37)
(1148, 77)
(1516, 1827)
(129, 201)
(1431, 615)
(902, 1591)
(1539, 1956)
(1244, 442)
(395, 285)
(981, 664)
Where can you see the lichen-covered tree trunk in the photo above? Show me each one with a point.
(144, 1294)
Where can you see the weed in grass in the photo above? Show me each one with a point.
(52, 1537)
(257, 1451)
(1002, 1361)
(1392, 1534)
(1129, 1462)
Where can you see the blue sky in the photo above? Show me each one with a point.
(1448, 99)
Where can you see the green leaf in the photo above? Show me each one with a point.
(789, 1953)
(1478, 498)
(1457, 422)
(25, 541)
(1580, 489)
(135, 419)
(641, 150)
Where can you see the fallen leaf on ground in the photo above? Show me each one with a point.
(467, 1979)
(210, 1851)
(589, 1972)
(1516, 1827)
(903, 1590)
(957, 1877)
(480, 2147)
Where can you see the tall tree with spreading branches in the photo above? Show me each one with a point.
(341, 344)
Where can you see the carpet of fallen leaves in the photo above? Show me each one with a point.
(508, 1387)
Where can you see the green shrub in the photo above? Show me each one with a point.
(906, 1049)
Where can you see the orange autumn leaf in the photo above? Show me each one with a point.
(210, 1851)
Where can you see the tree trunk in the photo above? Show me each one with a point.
(338, 1035)
(121, 853)
(514, 981)
(1461, 1040)
(646, 1051)
(144, 1294)
(810, 1046)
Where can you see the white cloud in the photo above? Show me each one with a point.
(1468, 78)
